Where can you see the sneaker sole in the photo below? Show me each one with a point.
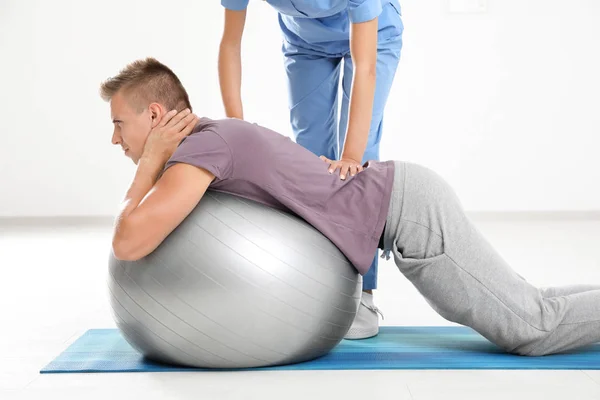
(361, 334)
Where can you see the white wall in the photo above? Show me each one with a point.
(503, 103)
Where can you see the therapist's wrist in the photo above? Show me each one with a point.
(356, 158)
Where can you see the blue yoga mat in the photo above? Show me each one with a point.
(454, 347)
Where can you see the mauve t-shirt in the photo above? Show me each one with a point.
(254, 162)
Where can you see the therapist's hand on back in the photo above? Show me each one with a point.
(346, 166)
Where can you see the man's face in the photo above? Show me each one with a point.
(131, 128)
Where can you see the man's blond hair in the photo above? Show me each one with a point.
(146, 81)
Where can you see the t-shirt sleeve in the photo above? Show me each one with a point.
(363, 10)
(207, 150)
(235, 5)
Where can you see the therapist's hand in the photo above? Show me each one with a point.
(346, 166)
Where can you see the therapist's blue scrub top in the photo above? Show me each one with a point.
(324, 25)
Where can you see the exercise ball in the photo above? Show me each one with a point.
(236, 285)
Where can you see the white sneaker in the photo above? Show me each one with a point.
(366, 322)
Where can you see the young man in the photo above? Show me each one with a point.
(402, 208)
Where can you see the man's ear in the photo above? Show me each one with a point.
(157, 112)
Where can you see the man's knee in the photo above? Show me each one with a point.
(529, 343)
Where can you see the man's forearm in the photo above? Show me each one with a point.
(145, 177)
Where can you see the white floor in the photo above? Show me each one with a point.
(52, 289)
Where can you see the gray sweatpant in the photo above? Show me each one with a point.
(466, 281)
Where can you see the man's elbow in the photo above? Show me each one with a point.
(124, 250)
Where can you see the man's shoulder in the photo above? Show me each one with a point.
(239, 134)
(224, 126)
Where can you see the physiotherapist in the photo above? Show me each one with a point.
(317, 36)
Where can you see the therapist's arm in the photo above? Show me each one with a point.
(230, 63)
(363, 49)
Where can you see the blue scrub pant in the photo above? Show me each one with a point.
(313, 87)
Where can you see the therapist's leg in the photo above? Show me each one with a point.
(366, 323)
(313, 81)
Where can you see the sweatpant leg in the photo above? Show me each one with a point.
(567, 290)
(467, 281)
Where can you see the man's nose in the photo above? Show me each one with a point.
(116, 139)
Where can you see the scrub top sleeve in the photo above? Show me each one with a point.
(363, 10)
(235, 5)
